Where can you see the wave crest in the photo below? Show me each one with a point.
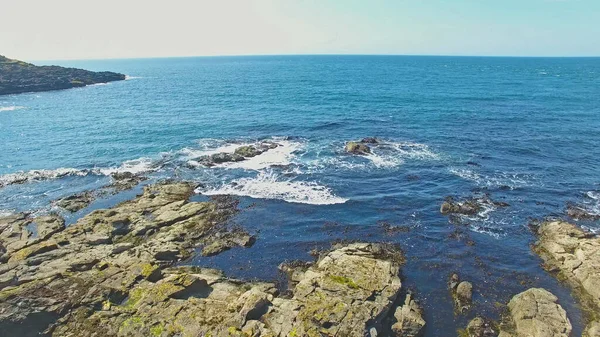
(268, 185)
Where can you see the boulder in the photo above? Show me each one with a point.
(536, 313)
(248, 151)
(357, 148)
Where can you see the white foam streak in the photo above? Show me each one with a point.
(11, 108)
(268, 185)
(511, 180)
(135, 166)
(39, 175)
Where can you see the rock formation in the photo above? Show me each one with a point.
(113, 273)
(574, 256)
(18, 77)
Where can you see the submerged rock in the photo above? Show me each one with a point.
(574, 256)
(370, 140)
(357, 148)
(536, 313)
(470, 206)
(580, 213)
(75, 202)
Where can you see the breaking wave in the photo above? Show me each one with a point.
(268, 185)
(11, 108)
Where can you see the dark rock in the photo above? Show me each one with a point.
(19, 77)
(466, 207)
(370, 140)
(248, 151)
(579, 213)
(75, 202)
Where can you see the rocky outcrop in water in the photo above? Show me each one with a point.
(357, 148)
(469, 206)
(19, 77)
(578, 212)
(532, 313)
(536, 313)
(573, 255)
(462, 293)
(240, 154)
(112, 274)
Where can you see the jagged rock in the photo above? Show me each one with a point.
(222, 241)
(470, 206)
(481, 327)
(536, 313)
(248, 151)
(18, 77)
(124, 181)
(110, 274)
(357, 148)
(574, 255)
(75, 202)
(467, 207)
(409, 319)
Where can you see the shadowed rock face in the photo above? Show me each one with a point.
(573, 255)
(18, 77)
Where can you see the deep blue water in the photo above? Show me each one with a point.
(524, 130)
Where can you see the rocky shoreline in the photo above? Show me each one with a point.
(19, 77)
(120, 269)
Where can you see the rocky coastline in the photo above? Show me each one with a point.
(19, 77)
(124, 269)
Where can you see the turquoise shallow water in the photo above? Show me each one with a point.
(523, 130)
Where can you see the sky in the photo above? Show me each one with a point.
(80, 29)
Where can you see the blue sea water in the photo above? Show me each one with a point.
(522, 130)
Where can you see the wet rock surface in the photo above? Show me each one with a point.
(240, 154)
(469, 206)
(579, 212)
(573, 255)
(19, 77)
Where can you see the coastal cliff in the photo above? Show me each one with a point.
(19, 77)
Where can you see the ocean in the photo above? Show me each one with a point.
(522, 131)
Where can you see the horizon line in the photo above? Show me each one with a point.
(310, 54)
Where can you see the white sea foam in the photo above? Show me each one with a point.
(11, 108)
(135, 166)
(127, 77)
(281, 155)
(4, 213)
(511, 180)
(39, 175)
(268, 185)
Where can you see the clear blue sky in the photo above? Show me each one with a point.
(76, 29)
